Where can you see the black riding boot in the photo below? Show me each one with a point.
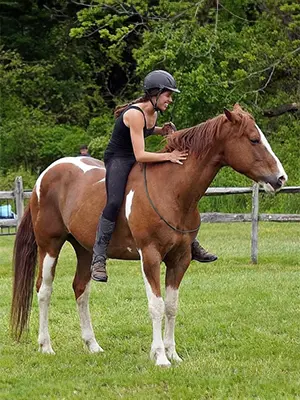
(200, 254)
(104, 231)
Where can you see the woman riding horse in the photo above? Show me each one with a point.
(134, 122)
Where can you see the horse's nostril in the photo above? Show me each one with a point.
(280, 181)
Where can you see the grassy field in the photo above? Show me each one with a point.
(237, 328)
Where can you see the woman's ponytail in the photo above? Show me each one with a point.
(119, 109)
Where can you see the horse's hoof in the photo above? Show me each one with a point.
(46, 349)
(162, 361)
(165, 363)
(175, 357)
(172, 355)
(95, 348)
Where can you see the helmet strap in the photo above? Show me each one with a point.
(156, 100)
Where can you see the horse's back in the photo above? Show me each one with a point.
(72, 190)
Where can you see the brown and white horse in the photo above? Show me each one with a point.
(68, 198)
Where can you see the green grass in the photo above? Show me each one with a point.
(237, 327)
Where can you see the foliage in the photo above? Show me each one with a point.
(30, 141)
(7, 181)
(99, 129)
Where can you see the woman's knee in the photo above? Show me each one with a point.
(111, 210)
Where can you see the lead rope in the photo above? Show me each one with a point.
(156, 210)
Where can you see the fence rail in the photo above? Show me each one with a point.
(221, 191)
(18, 195)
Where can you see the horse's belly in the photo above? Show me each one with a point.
(122, 245)
(123, 253)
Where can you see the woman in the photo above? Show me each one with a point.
(134, 122)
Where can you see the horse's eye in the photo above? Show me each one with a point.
(254, 141)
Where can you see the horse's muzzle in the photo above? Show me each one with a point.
(274, 183)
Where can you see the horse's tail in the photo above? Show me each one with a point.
(24, 264)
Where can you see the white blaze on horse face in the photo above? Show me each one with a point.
(77, 161)
(280, 169)
(128, 204)
(44, 296)
(87, 331)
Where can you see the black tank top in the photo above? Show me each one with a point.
(120, 144)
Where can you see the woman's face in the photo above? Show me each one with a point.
(164, 100)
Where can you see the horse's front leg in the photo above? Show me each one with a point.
(174, 275)
(150, 263)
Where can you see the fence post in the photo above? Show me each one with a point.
(19, 198)
(254, 233)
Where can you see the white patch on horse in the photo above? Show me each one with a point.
(44, 296)
(156, 307)
(129, 249)
(87, 331)
(101, 181)
(281, 171)
(77, 161)
(147, 285)
(128, 204)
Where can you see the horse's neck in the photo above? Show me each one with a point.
(201, 173)
(190, 181)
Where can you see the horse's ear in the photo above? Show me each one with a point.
(237, 107)
(228, 114)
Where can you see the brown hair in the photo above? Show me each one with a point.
(146, 96)
(119, 109)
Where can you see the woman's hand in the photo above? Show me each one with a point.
(168, 128)
(178, 156)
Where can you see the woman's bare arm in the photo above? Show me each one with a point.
(135, 121)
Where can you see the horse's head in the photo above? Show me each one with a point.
(247, 150)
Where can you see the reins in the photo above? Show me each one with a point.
(156, 210)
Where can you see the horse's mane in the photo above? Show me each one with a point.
(200, 138)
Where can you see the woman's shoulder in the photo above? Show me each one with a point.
(139, 112)
(134, 115)
(134, 110)
(136, 106)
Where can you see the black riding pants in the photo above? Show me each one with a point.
(117, 171)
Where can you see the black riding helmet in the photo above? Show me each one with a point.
(161, 80)
(157, 82)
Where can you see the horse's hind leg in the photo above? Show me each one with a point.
(48, 256)
(81, 287)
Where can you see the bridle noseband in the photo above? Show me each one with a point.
(156, 210)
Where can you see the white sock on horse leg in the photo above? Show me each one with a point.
(87, 331)
(156, 309)
(171, 304)
(44, 296)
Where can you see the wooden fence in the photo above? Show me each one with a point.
(18, 195)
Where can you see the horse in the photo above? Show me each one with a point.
(157, 222)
